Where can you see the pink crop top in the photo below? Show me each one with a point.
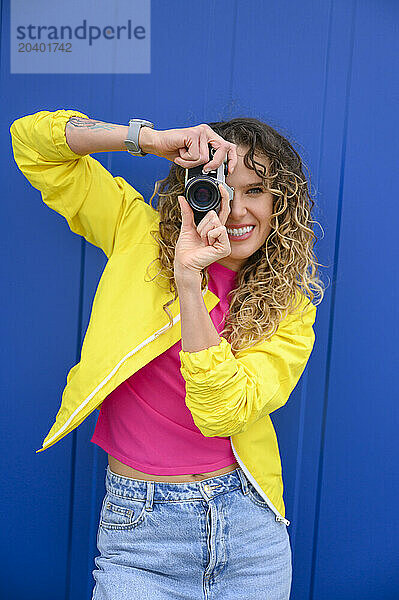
(145, 422)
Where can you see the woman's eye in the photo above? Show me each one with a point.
(258, 188)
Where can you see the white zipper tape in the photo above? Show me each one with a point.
(256, 485)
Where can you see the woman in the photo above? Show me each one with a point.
(193, 505)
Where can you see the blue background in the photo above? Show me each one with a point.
(325, 73)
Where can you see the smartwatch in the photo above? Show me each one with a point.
(132, 140)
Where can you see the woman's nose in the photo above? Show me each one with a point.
(237, 205)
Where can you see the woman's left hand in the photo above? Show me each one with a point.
(200, 246)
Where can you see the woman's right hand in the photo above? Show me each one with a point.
(188, 147)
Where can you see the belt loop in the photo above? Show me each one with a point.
(150, 495)
(244, 482)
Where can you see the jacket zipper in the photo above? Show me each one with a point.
(150, 339)
(107, 378)
(256, 485)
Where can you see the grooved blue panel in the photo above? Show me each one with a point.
(326, 75)
(357, 527)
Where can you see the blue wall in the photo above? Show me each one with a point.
(326, 74)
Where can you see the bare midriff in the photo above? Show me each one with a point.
(121, 469)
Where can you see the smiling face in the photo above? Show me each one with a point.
(251, 205)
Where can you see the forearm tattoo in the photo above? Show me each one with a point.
(90, 123)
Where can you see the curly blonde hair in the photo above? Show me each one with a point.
(267, 282)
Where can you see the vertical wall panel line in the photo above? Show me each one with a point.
(74, 433)
(233, 51)
(304, 390)
(211, 34)
(1, 36)
(92, 542)
(332, 305)
(93, 522)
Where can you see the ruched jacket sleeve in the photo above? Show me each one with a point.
(226, 394)
(78, 187)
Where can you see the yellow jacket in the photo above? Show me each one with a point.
(227, 395)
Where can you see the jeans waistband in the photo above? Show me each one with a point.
(165, 491)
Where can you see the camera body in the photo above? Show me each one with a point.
(201, 190)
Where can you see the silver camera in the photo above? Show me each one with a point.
(201, 189)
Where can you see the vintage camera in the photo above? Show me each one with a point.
(201, 189)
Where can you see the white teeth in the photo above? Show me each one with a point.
(240, 231)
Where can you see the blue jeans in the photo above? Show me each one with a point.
(214, 539)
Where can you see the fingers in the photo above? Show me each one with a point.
(223, 149)
(212, 219)
(187, 215)
(192, 153)
(210, 231)
(204, 149)
(217, 232)
(209, 223)
(217, 159)
(194, 149)
(209, 228)
(227, 148)
(225, 205)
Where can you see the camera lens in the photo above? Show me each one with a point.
(202, 195)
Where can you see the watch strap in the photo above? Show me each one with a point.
(132, 139)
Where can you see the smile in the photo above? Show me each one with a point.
(240, 234)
